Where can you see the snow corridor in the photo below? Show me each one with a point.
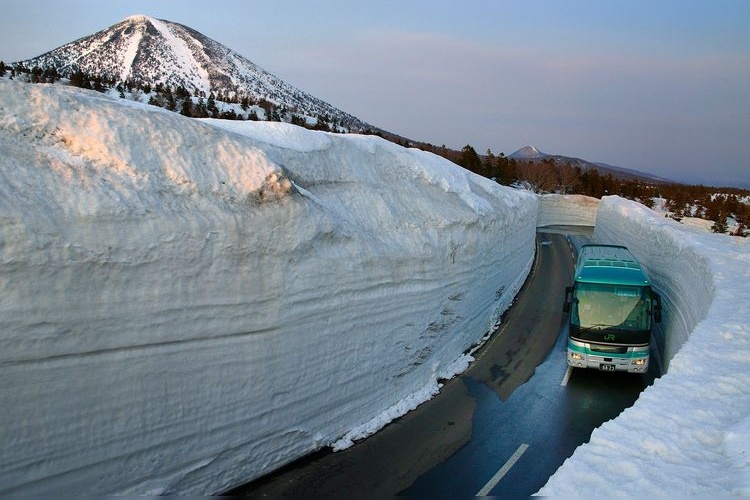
(188, 305)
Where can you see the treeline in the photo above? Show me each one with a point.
(548, 176)
(195, 104)
(545, 176)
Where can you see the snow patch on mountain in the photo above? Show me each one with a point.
(527, 153)
(150, 51)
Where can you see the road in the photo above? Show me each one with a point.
(500, 428)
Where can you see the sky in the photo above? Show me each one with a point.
(662, 87)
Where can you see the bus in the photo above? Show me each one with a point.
(612, 310)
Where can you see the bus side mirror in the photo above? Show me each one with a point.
(568, 298)
(657, 307)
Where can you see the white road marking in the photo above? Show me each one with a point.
(565, 379)
(503, 470)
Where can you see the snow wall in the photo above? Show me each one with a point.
(688, 433)
(567, 210)
(185, 308)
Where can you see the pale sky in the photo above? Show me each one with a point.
(659, 86)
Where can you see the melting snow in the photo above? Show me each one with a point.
(186, 307)
(688, 433)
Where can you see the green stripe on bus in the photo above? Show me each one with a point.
(583, 350)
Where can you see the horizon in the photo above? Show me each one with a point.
(657, 88)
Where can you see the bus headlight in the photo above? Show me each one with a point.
(639, 361)
(576, 356)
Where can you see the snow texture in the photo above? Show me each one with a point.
(689, 433)
(567, 210)
(152, 51)
(184, 308)
(527, 153)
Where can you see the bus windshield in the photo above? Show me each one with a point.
(602, 306)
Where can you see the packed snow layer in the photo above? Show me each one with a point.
(689, 433)
(184, 308)
(567, 210)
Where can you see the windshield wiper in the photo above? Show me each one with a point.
(596, 326)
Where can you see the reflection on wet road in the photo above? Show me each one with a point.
(501, 428)
(550, 418)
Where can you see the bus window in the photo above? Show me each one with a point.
(599, 306)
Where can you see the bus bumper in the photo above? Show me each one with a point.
(602, 363)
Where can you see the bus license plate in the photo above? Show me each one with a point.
(606, 368)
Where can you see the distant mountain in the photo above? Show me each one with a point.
(528, 153)
(145, 50)
(531, 153)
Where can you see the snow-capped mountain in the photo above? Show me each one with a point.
(528, 153)
(532, 153)
(145, 50)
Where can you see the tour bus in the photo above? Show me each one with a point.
(612, 309)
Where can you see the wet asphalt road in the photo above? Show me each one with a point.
(508, 415)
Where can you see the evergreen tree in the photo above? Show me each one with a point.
(80, 79)
(469, 159)
(507, 171)
(489, 167)
(592, 184)
(181, 93)
(298, 120)
(186, 109)
(320, 124)
(170, 103)
(98, 85)
(720, 226)
(228, 115)
(211, 108)
(199, 109)
(714, 208)
(51, 75)
(36, 74)
(267, 107)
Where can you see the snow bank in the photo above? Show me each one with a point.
(567, 210)
(184, 308)
(689, 433)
